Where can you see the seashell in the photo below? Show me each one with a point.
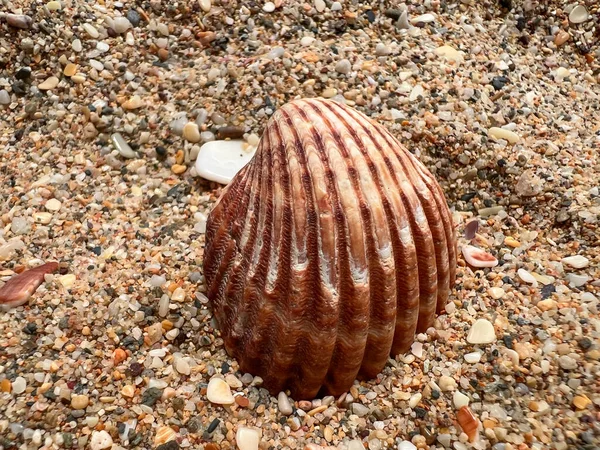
(476, 257)
(579, 14)
(164, 434)
(327, 252)
(471, 229)
(19, 288)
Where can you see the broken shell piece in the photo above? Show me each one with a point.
(220, 160)
(527, 277)
(579, 14)
(476, 257)
(327, 252)
(468, 422)
(471, 229)
(19, 288)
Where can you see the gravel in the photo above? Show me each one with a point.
(104, 108)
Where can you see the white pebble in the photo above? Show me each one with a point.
(500, 133)
(320, 5)
(577, 261)
(76, 45)
(100, 440)
(269, 7)
(459, 399)
(527, 277)
(415, 399)
(121, 25)
(417, 349)
(53, 205)
(219, 392)
(182, 366)
(283, 403)
(473, 358)
(447, 383)
(19, 385)
(482, 332)
(247, 438)
(406, 445)
(89, 29)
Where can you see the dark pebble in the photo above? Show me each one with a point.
(194, 425)
(508, 341)
(177, 403)
(499, 82)
(547, 290)
(134, 17)
(585, 343)
(370, 16)
(23, 73)
(420, 412)
(231, 132)
(213, 426)
(393, 14)
(151, 396)
(30, 328)
(435, 394)
(171, 445)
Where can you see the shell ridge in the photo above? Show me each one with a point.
(383, 299)
(306, 377)
(352, 363)
(447, 259)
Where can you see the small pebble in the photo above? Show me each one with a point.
(219, 392)
(481, 332)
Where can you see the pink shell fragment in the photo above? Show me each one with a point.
(19, 288)
(476, 257)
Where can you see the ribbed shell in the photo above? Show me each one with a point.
(327, 252)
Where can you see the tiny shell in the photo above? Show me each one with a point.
(476, 257)
(468, 422)
(327, 252)
(19, 288)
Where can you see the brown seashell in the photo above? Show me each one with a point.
(19, 288)
(468, 422)
(327, 252)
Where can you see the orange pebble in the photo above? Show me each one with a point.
(5, 385)
(119, 356)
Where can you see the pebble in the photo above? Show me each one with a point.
(182, 366)
(91, 31)
(382, 49)
(423, 18)
(164, 434)
(269, 7)
(403, 23)
(459, 400)
(547, 304)
(481, 332)
(526, 277)
(581, 402)
(567, 363)
(19, 385)
(48, 84)
(579, 14)
(135, 102)
(343, 66)
(79, 401)
(447, 383)
(500, 133)
(53, 205)
(473, 357)
(283, 403)
(219, 392)
(122, 146)
(576, 262)
(54, 6)
(359, 409)
(76, 45)
(320, 5)
(121, 25)
(100, 440)
(205, 5)
(449, 53)
(19, 21)
(406, 445)
(247, 438)
(4, 97)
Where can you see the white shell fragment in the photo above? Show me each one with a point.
(482, 332)
(576, 262)
(579, 14)
(476, 257)
(219, 392)
(473, 357)
(220, 160)
(527, 277)
(423, 18)
(501, 133)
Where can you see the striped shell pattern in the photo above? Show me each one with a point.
(327, 252)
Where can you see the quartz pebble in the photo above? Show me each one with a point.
(424, 18)
(343, 66)
(527, 277)
(121, 25)
(19, 21)
(481, 332)
(576, 262)
(473, 357)
(219, 392)
(100, 440)
(220, 160)
(4, 97)
(19, 385)
(406, 445)
(79, 401)
(283, 403)
(91, 31)
(447, 383)
(269, 7)
(449, 53)
(247, 438)
(122, 146)
(191, 133)
(459, 400)
(579, 14)
(53, 205)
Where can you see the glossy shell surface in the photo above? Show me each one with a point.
(327, 252)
